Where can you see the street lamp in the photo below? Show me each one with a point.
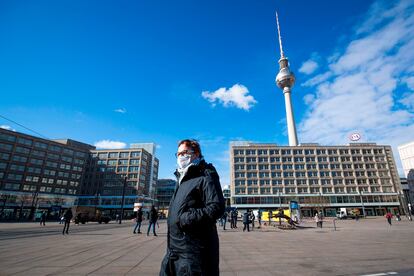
(403, 202)
(122, 200)
(280, 207)
(362, 202)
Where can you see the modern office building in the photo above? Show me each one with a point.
(406, 152)
(119, 174)
(51, 175)
(164, 193)
(41, 172)
(227, 194)
(359, 175)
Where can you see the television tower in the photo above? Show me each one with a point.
(285, 80)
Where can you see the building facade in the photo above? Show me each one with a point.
(358, 175)
(41, 172)
(406, 152)
(39, 175)
(164, 193)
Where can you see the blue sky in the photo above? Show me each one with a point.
(161, 71)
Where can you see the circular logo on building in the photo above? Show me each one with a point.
(355, 136)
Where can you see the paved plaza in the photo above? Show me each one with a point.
(368, 246)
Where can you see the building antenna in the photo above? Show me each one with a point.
(282, 55)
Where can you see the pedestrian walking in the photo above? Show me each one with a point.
(318, 220)
(398, 217)
(270, 213)
(252, 218)
(388, 216)
(235, 217)
(153, 217)
(138, 221)
(246, 221)
(192, 241)
(259, 218)
(224, 219)
(68, 216)
(43, 219)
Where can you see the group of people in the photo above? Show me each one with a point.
(152, 217)
(248, 218)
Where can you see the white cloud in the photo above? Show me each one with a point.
(408, 100)
(309, 98)
(308, 67)
(7, 127)
(120, 110)
(108, 144)
(237, 95)
(360, 91)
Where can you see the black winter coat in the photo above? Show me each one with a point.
(153, 216)
(193, 244)
(139, 215)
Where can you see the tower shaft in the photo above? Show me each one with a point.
(285, 79)
(291, 126)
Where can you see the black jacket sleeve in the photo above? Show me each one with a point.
(213, 200)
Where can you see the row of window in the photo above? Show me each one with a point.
(306, 151)
(379, 166)
(315, 200)
(106, 155)
(311, 174)
(39, 145)
(306, 159)
(262, 182)
(305, 190)
(119, 162)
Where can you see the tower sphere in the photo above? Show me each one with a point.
(285, 78)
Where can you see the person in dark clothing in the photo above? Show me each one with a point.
(252, 218)
(68, 216)
(192, 241)
(43, 219)
(270, 214)
(246, 221)
(224, 220)
(259, 218)
(153, 217)
(138, 220)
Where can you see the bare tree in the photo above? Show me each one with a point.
(23, 199)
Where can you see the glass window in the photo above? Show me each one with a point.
(18, 158)
(40, 145)
(7, 137)
(123, 154)
(7, 147)
(4, 156)
(24, 141)
(55, 148)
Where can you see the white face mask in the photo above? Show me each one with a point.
(183, 161)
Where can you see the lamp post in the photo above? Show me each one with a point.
(362, 202)
(32, 208)
(122, 201)
(280, 207)
(403, 202)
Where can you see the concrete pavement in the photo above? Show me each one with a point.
(357, 248)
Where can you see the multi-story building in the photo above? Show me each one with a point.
(36, 171)
(48, 175)
(406, 152)
(116, 174)
(164, 192)
(360, 175)
(227, 194)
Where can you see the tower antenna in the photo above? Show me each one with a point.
(282, 55)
